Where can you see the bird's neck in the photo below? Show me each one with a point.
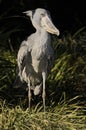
(41, 31)
(43, 35)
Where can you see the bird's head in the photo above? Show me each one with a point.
(41, 19)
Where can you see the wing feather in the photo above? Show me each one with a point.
(22, 58)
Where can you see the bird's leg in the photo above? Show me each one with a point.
(44, 94)
(29, 94)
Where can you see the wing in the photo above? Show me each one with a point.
(24, 55)
(22, 58)
(50, 56)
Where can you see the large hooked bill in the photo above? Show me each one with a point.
(49, 26)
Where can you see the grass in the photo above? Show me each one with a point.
(64, 116)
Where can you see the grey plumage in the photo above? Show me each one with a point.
(35, 56)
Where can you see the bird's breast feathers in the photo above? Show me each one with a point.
(39, 58)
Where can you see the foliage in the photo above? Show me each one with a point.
(69, 70)
(65, 116)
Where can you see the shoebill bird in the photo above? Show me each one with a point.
(35, 56)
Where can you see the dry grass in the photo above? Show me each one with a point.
(64, 116)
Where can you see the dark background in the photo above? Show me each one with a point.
(66, 14)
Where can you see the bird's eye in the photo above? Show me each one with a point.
(42, 15)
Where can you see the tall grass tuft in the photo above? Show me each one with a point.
(69, 71)
(64, 116)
